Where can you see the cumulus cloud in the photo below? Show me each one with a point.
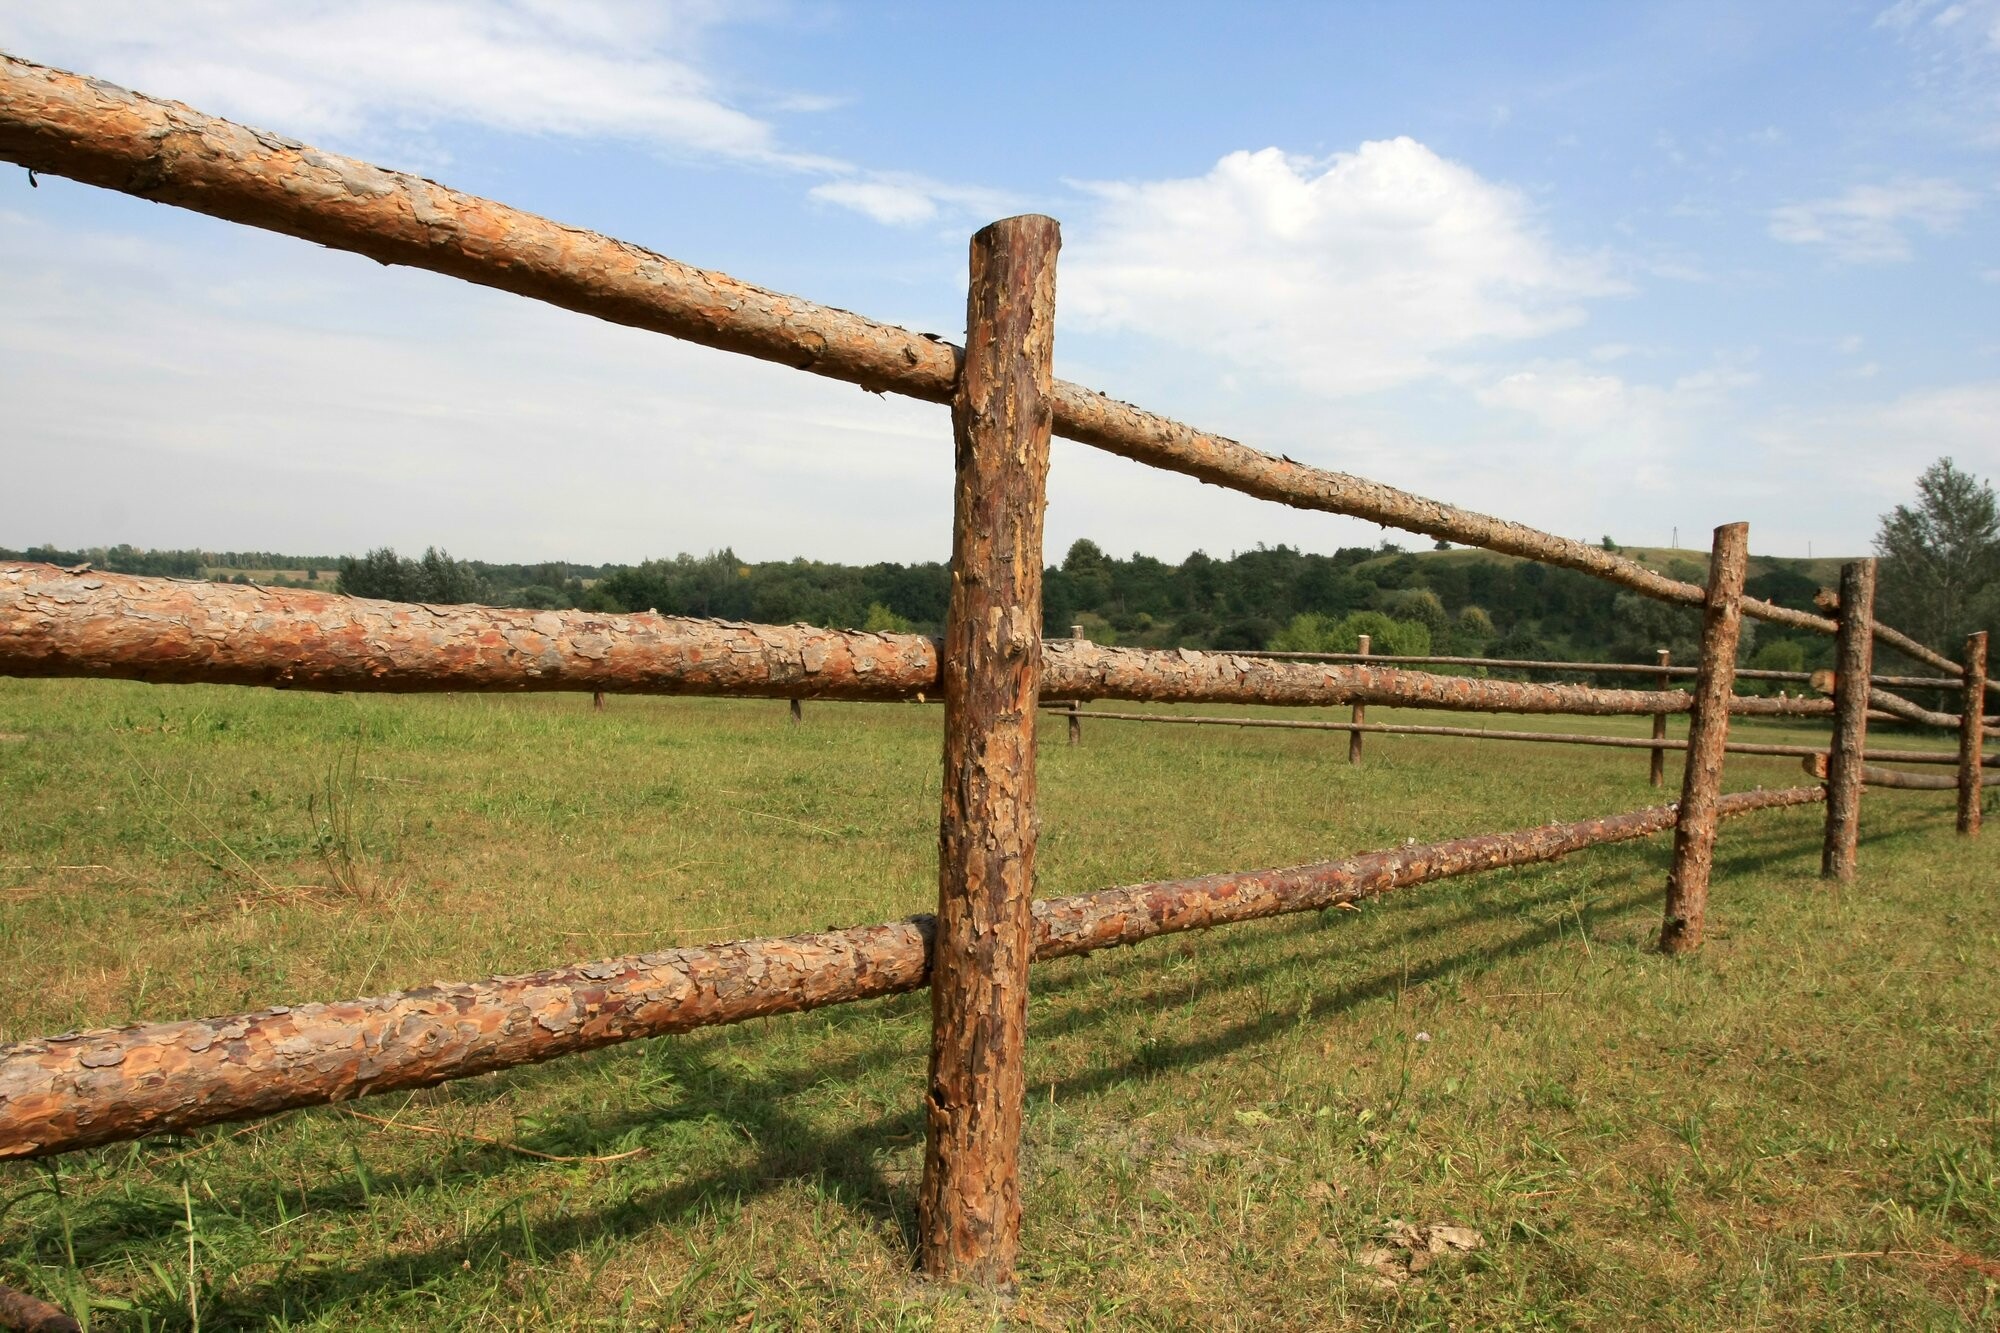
(1870, 224)
(363, 70)
(902, 199)
(1343, 275)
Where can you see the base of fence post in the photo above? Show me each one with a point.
(969, 1207)
(798, 712)
(1076, 722)
(597, 701)
(1708, 734)
(1972, 735)
(1854, 661)
(1362, 646)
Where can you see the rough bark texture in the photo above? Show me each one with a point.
(1360, 715)
(1854, 650)
(1816, 766)
(1656, 772)
(95, 132)
(969, 1209)
(1547, 737)
(31, 1314)
(1881, 702)
(56, 622)
(1708, 737)
(86, 1089)
(1971, 736)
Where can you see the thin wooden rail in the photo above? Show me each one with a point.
(1774, 750)
(1605, 668)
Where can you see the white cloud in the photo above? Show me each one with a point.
(368, 70)
(1343, 275)
(900, 199)
(1870, 223)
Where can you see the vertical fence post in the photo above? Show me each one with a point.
(798, 712)
(1076, 705)
(969, 1210)
(1853, 661)
(1658, 774)
(1972, 734)
(1708, 733)
(1360, 710)
(597, 701)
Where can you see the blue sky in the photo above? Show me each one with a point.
(1605, 269)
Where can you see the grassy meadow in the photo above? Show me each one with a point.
(1796, 1128)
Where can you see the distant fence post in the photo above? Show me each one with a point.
(1076, 705)
(1360, 710)
(969, 1209)
(1853, 663)
(597, 700)
(1658, 774)
(1972, 734)
(798, 712)
(1708, 733)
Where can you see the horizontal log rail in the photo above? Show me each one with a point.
(59, 622)
(1897, 707)
(85, 1089)
(1496, 734)
(1816, 766)
(1601, 668)
(95, 132)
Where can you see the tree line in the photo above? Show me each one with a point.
(1940, 578)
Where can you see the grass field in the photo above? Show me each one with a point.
(1795, 1129)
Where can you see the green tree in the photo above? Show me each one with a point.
(1940, 558)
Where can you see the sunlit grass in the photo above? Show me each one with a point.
(1795, 1128)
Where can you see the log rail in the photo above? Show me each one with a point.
(64, 124)
(86, 1089)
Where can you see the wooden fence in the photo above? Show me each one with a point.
(992, 668)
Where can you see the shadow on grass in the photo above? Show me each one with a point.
(847, 1165)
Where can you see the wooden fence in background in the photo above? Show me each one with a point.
(85, 1089)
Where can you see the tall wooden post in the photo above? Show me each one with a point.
(969, 1211)
(1708, 733)
(1971, 733)
(1076, 705)
(1853, 661)
(1360, 710)
(1658, 773)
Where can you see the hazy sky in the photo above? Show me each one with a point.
(1606, 269)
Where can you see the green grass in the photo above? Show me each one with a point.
(1219, 1123)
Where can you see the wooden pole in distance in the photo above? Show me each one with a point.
(597, 701)
(969, 1210)
(1970, 735)
(798, 712)
(1657, 774)
(1708, 733)
(1360, 710)
(1853, 657)
(1076, 705)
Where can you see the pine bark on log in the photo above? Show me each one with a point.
(85, 129)
(109, 1085)
(56, 622)
(1708, 735)
(1854, 649)
(1971, 735)
(969, 1207)
(31, 1314)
